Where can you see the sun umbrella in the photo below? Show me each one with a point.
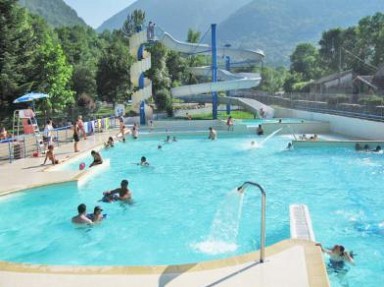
(30, 97)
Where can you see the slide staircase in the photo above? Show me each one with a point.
(142, 64)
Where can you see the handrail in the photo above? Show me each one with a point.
(262, 222)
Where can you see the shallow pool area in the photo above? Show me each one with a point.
(186, 208)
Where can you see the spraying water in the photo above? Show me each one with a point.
(223, 234)
(270, 136)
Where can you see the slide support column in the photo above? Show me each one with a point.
(214, 70)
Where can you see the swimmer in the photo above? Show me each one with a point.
(109, 143)
(96, 158)
(96, 216)
(259, 130)
(81, 218)
(212, 134)
(338, 256)
(51, 156)
(252, 143)
(289, 146)
(174, 139)
(377, 149)
(143, 161)
(121, 193)
(168, 139)
(159, 147)
(358, 147)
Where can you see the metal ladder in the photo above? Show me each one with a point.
(262, 220)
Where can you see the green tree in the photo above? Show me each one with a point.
(304, 60)
(134, 22)
(54, 72)
(193, 36)
(113, 77)
(16, 52)
(82, 47)
(273, 79)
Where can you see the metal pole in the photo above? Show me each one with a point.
(228, 68)
(214, 70)
(263, 210)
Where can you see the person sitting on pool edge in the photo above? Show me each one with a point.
(338, 256)
(121, 193)
(51, 156)
(81, 218)
(96, 216)
(96, 158)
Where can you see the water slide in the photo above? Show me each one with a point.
(227, 81)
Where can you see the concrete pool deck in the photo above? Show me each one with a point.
(289, 263)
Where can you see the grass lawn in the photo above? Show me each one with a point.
(240, 115)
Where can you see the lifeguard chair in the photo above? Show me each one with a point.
(24, 122)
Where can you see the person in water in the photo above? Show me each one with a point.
(110, 142)
(50, 155)
(122, 193)
(259, 130)
(96, 158)
(338, 256)
(212, 133)
(81, 218)
(143, 161)
(97, 215)
(230, 123)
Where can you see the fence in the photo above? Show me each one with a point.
(343, 105)
(26, 145)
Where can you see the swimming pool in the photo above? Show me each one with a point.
(186, 209)
(256, 122)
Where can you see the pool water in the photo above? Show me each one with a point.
(256, 122)
(186, 208)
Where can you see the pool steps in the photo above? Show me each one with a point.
(300, 222)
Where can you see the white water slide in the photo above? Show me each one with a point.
(227, 81)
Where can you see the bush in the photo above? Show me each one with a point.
(372, 100)
(163, 100)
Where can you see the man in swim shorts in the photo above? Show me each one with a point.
(122, 193)
(81, 218)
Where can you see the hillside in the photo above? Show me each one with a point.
(278, 26)
(55, 12)
(178, 16)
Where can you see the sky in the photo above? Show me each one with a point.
(95, 12)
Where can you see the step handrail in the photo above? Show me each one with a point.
(262, 221)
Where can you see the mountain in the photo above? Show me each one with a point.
(177, 16)
(55, 12)
(278, 26)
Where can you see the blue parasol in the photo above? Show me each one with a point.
(30, 97)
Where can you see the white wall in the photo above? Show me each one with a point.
(358, 128)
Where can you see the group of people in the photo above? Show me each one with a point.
(311, 138)
(121, 193)
(88, 218)
(366, 148)
(134, 132)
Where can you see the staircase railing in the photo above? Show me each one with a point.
(262, 221)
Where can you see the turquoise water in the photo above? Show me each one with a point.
(256, 122)
(186, 208)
